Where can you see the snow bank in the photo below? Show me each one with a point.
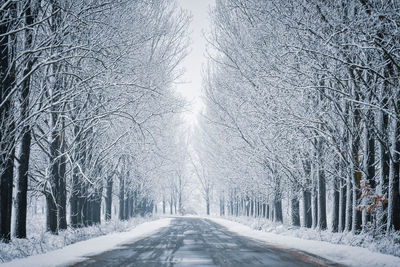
(40, 241)
(342, 254)
(76, 252)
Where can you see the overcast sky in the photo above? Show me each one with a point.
(191, 86)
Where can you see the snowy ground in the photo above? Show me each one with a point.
(40, 247)
(75, 252)
(278, 236)
(342, 254)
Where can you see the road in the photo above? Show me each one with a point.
(200, 242)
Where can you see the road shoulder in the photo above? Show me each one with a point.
(77, 251)
(341, 254)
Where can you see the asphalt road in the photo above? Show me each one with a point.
(200, 242)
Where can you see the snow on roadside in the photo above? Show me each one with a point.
(342, 254)
(77, 251)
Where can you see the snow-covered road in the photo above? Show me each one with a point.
(77, 252)
(341, 254)
(199, 242)
(195, 241)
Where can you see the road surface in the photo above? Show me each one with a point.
(200, 242)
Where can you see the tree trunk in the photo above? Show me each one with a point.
(251, 207)
(369, 161)
(321, 194)
(7, 135)
(121, 197)
(6, 188)
(306, 195)
(22, 186)
(314, 196)
(74, 199)
(163, 205)
(278, 215)
(171, 205)
(356, 173)
(62, 193)
(132, 206)
(51, 214)
(384, 155)
(342, 205)
(349, 203)
(335, 200)
(264, 209)
(126, 204)
(295, 208)
(307, 216)
(54, 179)
(109, 197)
(393, 222)
(175, 206)
(25, 146)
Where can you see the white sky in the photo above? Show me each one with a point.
(190, 85)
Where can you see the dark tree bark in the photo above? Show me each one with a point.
(62, 193)
(56, 128)
(126, 204)
(355, 150)
(7, 124)
(307, 216)
(131, 205)
(314, 196)
(88, 211)
(109, 197)
(349, 203)
(25, 146)
(251, 207)
(342, 205)
(306, 195)
(163, 205)
(175, 206)
(369, 159)
(335, 200)
(51, 214)
(221, 206)
(53, 195)
(321, 196)
(171, 204)
(393, 222)
(278, 215)
(208, 207)
(384, 154)
(74, 199)
(22, 186)
(264, 209)
(6, 188)
(121, 197)
(295, 207)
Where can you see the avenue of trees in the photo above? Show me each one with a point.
(87, 107)
(302, 110)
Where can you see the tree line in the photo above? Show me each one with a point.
(302, 106)
(85, 100)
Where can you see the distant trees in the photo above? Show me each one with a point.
(86, 92)
(302, 100)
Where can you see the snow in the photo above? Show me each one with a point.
(77, 252)
(342, 254)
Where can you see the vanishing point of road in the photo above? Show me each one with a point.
(200, 242)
